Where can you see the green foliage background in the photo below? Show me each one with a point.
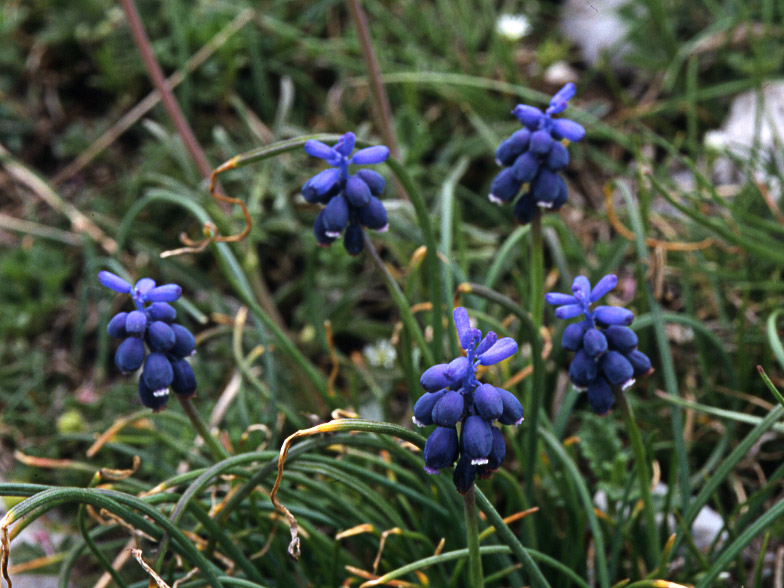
(69, 71)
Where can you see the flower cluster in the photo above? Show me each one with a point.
(534, 155)
(454, 395)
(152, 323)
(351, 201)
(607, 355)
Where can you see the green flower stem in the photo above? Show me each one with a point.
(400, 300)
(536, 305)
(216, 449)
(508, 536)
(537, 270)
(643, 477)
(472, 539)
(431, 258)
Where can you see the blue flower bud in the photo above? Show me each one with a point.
(613, 315)
(603, 286)
(486, 343)
(463, 326)
(621, 339)
(561, 196)
(335, 216)
(345, 144)
(157, 372)
(129, 355)
(457, 369)
(184, 342)
(116, 326)
(435, 378)
(600, 396)
(513, 410)
(441, 449)
(564, 94)
(143, 286)
(354, 239)
(640, 362)
(154, 400)
(529, 116)
(547, 187)
(511, 148)
(448, 410)
(525, 167)
(161, 311)
(114, 282)
(373, 179)
(497, 453)
(525, 209)
(320, 231)
(160, 336)
(374, 215)
(568, 311)
(573, 336)
(558, 157)
(371, 155)
(322, 186)
(504, 187)
(581, 288)
(594, 342)
(184, 382)
(558, 299)
(135, 323)
(583, 370)
(487, 402)
(423, 409)
(477, 439)
(503, 349)
(318, 149)
(165, 293)
(357, 192)
(617, 369)
(541, 141)
(464, 474)
(563, 128)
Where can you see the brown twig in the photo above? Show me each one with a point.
(376, 84)
(333, 357)
(210, 230)
(159, 81)
(651, 242)
(80, 223)
(380, 98)
(148, 102)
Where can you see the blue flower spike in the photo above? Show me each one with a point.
(606, 356)
(151, 326)
(533, 156)
(454, 398)
(350, 202)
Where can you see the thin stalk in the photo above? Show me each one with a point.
(400, 300)
(643, 477)
(216, 449)
(472, 539)
(155, 72)
(537, 270)
(380, 98)
(536, 305)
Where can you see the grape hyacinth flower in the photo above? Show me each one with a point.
(453, 396)
(350, 201)
(606, 348)
(533, 156)
(152, 323)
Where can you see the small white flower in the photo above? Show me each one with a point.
(513, 26)
(380, 354)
